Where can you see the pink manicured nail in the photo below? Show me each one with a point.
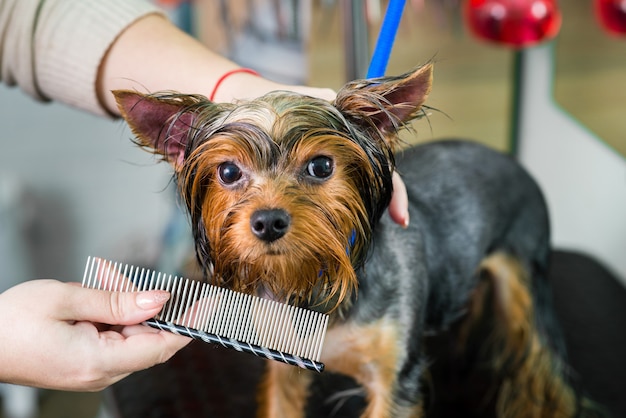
(151, 299)
(405, 225)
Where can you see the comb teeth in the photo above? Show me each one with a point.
(248, 323)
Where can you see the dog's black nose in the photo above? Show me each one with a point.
(270, 224)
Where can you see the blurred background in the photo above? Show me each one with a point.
(73, 185)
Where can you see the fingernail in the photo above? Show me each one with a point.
(405, 225)
(151, 299)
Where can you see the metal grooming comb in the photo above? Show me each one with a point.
(247, 323)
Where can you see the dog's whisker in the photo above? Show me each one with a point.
(340, 398)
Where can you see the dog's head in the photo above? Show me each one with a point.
(284, 190)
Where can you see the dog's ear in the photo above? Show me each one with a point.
(160, 122)
(388, 102)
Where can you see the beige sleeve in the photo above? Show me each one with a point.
(52, 49)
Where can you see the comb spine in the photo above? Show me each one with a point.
(259, 351)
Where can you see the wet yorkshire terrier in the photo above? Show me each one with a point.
(287, 197)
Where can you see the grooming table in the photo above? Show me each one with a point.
(211, 382)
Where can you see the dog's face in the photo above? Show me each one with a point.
(284, 190)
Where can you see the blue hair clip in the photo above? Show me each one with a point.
(351, 241)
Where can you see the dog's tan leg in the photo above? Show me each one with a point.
(527, 373)
(283, 392)
(369, 354)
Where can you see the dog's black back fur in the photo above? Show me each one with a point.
(466, 201)
(462, 196)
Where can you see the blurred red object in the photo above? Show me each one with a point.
(515, 23)
(612, 15)
(170, 3)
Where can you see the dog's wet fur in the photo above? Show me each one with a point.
(287, 197)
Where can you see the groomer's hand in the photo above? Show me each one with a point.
(53, 335)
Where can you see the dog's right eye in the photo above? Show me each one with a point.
(229, 173)
(320, 167)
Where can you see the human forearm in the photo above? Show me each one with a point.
(152, 55)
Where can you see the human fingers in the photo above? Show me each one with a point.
(105, 357)
(114, 308)
(399, 205)
(119, 355)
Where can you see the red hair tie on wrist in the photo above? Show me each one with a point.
(228, 74)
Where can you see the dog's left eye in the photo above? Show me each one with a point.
(320, 167)
(229, 173)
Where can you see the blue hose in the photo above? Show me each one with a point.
(386, 37)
